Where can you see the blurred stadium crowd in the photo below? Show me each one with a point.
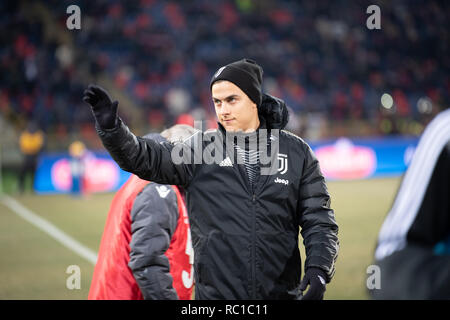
(319, 56)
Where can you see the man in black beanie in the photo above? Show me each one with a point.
(244, 224)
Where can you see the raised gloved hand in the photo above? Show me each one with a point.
(103, 108)
(315, 277)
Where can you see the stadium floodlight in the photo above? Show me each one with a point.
(425, 105)
(386, 101)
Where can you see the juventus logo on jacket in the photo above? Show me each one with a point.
(282, 163)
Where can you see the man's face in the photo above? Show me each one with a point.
(234, 109)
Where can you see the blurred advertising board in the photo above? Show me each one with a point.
(340, 159)
(100, 173)
(346, 159)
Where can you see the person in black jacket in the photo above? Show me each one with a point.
(245, 215)
(413, 249)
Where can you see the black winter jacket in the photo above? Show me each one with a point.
(245, 241)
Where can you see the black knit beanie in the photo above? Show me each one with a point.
(246, 74)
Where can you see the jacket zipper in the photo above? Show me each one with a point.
(254, 247)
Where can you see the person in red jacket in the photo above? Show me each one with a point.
(146, 250)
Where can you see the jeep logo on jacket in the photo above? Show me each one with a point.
(245, 235)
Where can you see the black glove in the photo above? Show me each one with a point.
(315, 277)
(103, 108)
(274, 111)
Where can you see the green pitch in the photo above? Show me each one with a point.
(33, 265)
(360, 208)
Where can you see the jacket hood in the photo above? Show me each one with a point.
(274, 111)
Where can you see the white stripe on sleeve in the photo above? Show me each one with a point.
(393, 232)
